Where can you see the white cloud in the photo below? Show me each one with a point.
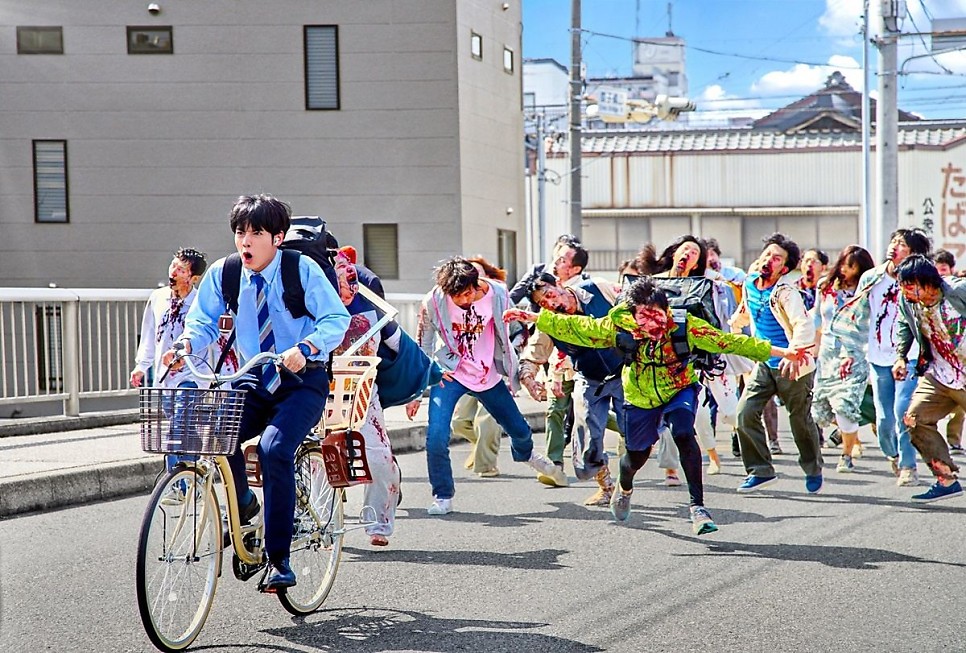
(717, 105)
(842, 18)
(805, 78)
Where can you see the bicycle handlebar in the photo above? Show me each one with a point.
(260, 359)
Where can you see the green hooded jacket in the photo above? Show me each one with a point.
(656, 374)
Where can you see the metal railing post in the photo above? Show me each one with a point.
(71, 340)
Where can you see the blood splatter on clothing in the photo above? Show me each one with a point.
(474, 333)
(943, 328)
(359, 324)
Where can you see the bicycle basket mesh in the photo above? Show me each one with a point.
(190, 420)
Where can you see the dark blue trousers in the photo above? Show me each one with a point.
(283, 419)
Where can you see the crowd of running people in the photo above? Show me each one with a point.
(839, 344)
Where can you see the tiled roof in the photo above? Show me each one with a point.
(922, 134)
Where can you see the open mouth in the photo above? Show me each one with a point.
(247, 256)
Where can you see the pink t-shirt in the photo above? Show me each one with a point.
(475, 336)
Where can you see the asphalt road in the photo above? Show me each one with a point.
(522, 567)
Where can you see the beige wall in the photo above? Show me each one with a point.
(491, 129)
(159, 146)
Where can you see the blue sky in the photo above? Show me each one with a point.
(787, 48)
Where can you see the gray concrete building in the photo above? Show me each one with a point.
(127, 129)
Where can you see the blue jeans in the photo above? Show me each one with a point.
(892, 400)
(442, 401)
(592, 404)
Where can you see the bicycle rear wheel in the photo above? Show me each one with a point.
(317, 536)
(179, 559)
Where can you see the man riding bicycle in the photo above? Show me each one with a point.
(279, 407)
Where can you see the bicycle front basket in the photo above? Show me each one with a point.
(190, 420)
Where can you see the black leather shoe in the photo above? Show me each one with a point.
(248, 513)
(280, 576)
(735, 448)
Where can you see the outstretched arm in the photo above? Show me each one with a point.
(596, 333)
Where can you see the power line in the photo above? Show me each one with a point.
(719, 53)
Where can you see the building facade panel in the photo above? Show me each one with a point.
(159, 146)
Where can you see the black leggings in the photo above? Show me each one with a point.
(681, 423)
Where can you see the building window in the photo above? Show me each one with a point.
(506, 252)
(321, 67)
(381, 249)
(476, 46)
(40, 40)
(50, 182)
(507, 60)
(150, 40)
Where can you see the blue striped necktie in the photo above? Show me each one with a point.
(266, 339)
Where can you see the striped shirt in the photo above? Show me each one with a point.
(766, 326)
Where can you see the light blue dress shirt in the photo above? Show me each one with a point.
(325, 332)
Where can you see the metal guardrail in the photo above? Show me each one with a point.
(68, 345)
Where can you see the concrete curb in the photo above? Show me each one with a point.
(58, 423)
(114, 480)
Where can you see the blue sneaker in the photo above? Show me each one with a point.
(938, 491)
(813, 483)
(753, 483)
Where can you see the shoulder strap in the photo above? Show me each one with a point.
(231, 282)
(679, 339)
(292, 292)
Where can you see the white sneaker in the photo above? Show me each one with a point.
(441, 507)
(557, 478)
(542, 464)
(908, 477)
(713, 468)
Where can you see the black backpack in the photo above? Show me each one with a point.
(306, 236)
(694, 295)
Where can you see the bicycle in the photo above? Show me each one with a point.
(181, 540)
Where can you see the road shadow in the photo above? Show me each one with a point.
(363, 630)
(838, 557)
(540, 559)
(945, 507)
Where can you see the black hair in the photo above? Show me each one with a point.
(944, 256)
(580, 257)
(455, 275)
(260, 213)
(643, 292)
(646, 260)
(853, 255)
(539, 282)
(794, 255)
(195, 260)
(666, 260)
(916, 240)
(919, 270)
(822, 256)
(712, 245)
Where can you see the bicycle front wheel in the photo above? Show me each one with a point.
(317, 536)
(179, 559)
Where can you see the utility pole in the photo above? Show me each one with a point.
(866, 235)
(541, 189)
(887, 125)
(576, 97)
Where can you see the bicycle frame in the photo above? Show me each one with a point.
(236, 530)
